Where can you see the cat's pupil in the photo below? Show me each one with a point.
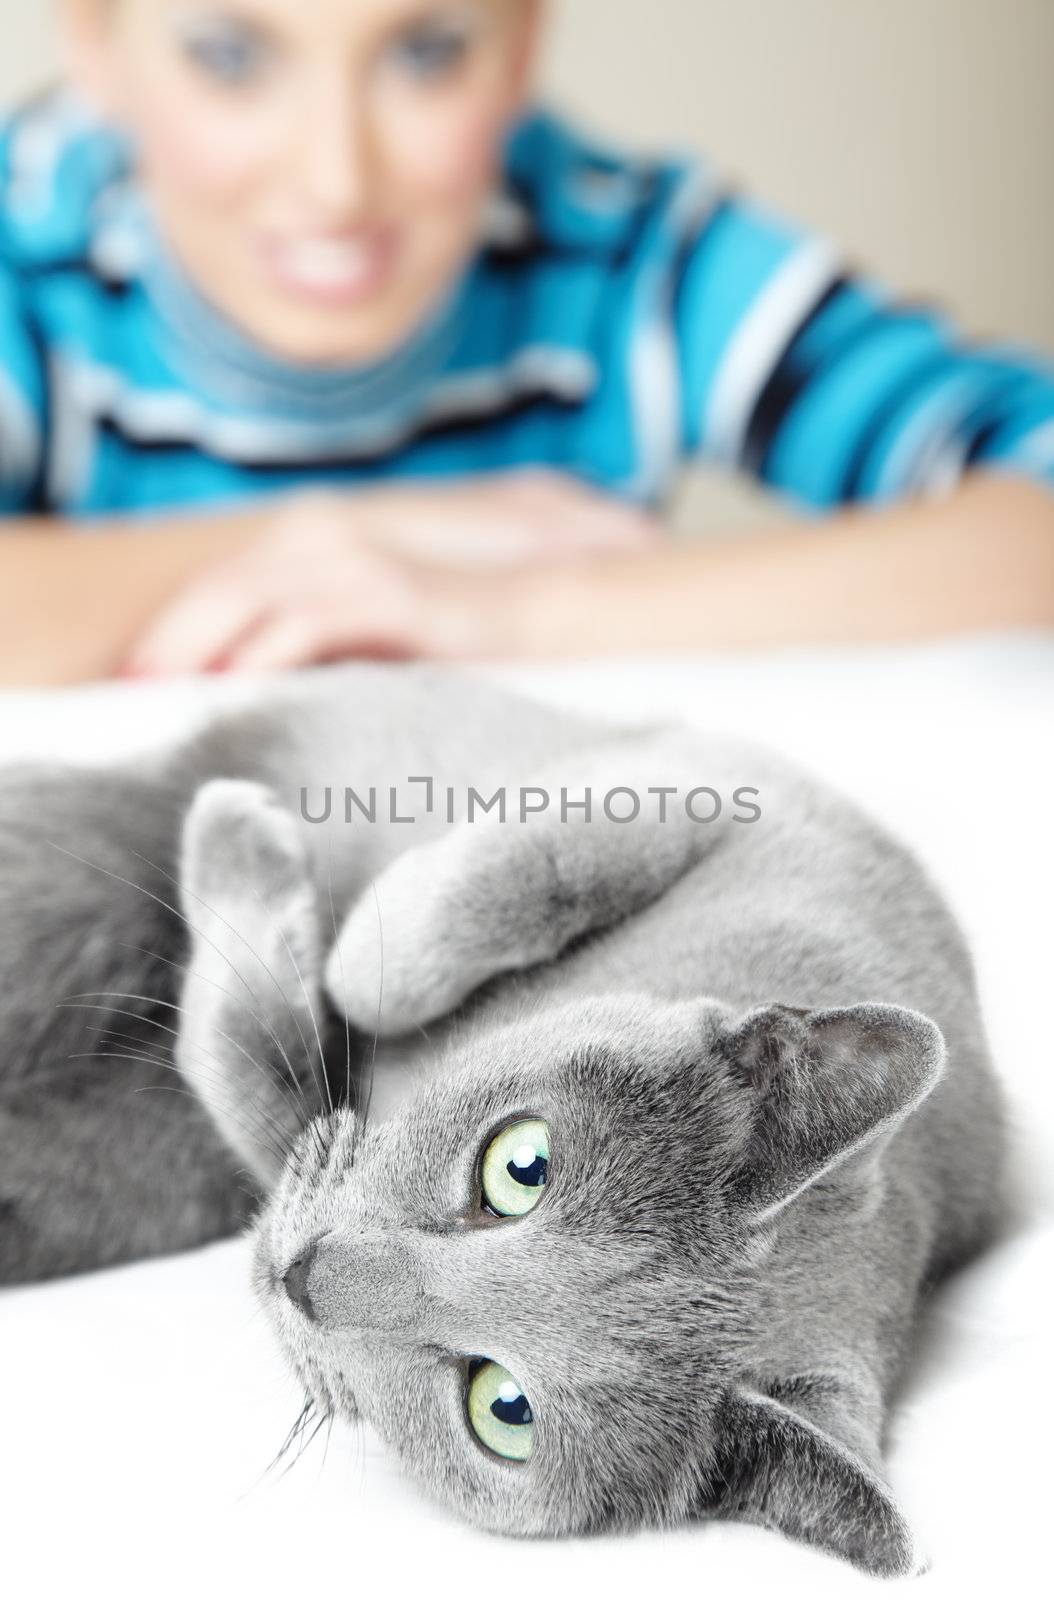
(528, 1167)
(511, 1407)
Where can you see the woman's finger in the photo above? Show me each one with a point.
(564, 515)
(280, 642)
(603, 528)
(197, 629)
(293, 639)
(507, 532)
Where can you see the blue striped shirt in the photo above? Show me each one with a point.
(620, 317)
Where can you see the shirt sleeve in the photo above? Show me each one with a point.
(817, 383)
(23, 382)
(22, 402)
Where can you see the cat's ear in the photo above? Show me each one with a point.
(499, 896)
(776, 1465)
(247, 1028)
(821, 1087)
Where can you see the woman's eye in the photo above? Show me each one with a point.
(431, 53)
(499, 1412)
(516, 1168)
(232, 58)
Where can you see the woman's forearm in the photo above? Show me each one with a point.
(983, 558)
(177, 594)
(74, 602)
(73, 598)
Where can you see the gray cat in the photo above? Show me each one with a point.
(700, 1100)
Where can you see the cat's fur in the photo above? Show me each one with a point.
(758, 1049)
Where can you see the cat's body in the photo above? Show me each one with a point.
(731, 988)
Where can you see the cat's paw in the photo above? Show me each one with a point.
(401, 958)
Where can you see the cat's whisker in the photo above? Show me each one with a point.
(188, 1094)
(183, 1092)
(358, 1434)
(301, 1421)
(306, 1442)
(330, 1419)
(169, 1061)
(217, 1078)
(137, 1057)
(176, 912)
(267, 1120)
(257, 957)
(79, 1002)
(200, 977)
(166, 905)
(320, 1073)
(340, 964)
(296, 1436)
(371, 1072)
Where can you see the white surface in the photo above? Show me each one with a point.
(139, 1408)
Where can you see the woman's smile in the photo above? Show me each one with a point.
(334, 269)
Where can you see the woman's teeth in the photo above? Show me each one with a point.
(328, 265)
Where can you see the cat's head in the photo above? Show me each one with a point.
(542, 1281)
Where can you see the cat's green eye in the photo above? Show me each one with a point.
(515, 1168)
(499, 1412)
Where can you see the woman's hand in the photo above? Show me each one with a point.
(502, 521)
(394, 572)
(299, 585)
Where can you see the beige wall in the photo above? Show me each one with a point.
(920, 133)
(25, 45)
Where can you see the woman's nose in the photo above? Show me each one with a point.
(333, 155)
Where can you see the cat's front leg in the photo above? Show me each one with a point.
(511, 891)
(102, 1163)
(100, 1160)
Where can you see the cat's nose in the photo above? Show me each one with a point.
(294, 1281)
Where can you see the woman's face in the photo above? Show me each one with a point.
(319, 167)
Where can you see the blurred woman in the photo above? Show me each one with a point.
(318, 340)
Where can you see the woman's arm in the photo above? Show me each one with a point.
(980, 559)
(73, 599)
(182, 593)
